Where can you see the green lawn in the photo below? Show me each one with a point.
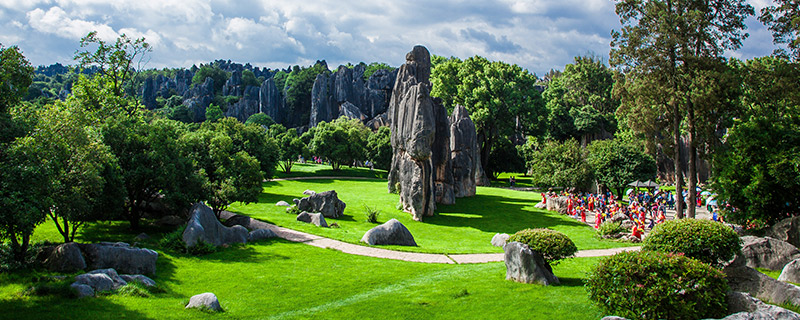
(282, 280)
(321, 170)
(465, 227)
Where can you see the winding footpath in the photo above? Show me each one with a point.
(349, 248)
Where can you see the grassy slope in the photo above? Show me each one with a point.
(282, 280)
(465, 227)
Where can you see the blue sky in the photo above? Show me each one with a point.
(537, 35)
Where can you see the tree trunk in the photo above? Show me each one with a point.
(65, 233)
(133, 216)
(692, 162)
(676, 127)
(486, 149)
(19, 249)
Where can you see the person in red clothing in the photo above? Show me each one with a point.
(569, 206)
(635, 231)
(583, 214)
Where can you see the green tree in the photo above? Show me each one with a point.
(260, 119)
(249, 79)
(758, 170)
(214, 113)
(16, 75)
(115, 62)
(557, 164)
(375, 66)
(251, 139)
(662, 43)
(297, 91)
(379, 148)
(616, 163)
(341, 141)
(783, 19)
(505, 158)
(291, 147)
(215, 73)
(226, 176)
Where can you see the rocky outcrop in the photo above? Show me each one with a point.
(786, 230)
(100, 280)
(746, 279)
(119, 256)
(198, 99)
(390, 233)
(745, 307)
(766, 252)
(413, 122)
(206, 300)
(316, 219)
(557, 204)
(442, 164)
(349, 110)
(527, 266)
(248, 104)
(261, 234)
(791, 272)
(464, 153)
(323, 105)
(238, 220)
(204, 226)
(327, 203)
(138, 278)
(500, 239)
(65, 257)
(381, 120)
(270, 101)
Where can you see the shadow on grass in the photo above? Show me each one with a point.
(570, 282)
(495, 214)
(56, 307)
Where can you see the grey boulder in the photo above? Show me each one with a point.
(260, 234)
(526, 266)
(238, 220)
(787, 230)
(769, 253)
(206, 300)
(327, 203)
(748, 308)
(316, 219)
(791, 272)
(204, 226)
(500, 239)
(746, 279)
(101, 280)
(82, 290)
(65, 257)
(282, 204)
(557, 204)
(390, 233)
(120, 256)
(138, 278)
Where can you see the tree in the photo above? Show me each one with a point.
(783, 20)
(341, 141)
(115, 61)
(249, 79)
(291, 147)
(758, 171)
(252, 139)
(375, 66)
(501, 98)
(505, 158)
(379, 148)
(226, 176)
(216, 74)
(616, 163)
(214, 113)
(260, 119)
(297, 91)
(16, 75)
(557, 164)
(662, 43)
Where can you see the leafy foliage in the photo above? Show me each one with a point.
(609, 228)
(704, 240)
(375, 66)
(289, 145)
(115, 62)
(783, 19)
(214, 72)
(260, 119)
(553, 245)
(505, 157)
(252, 139)
(297, 91)
(557, 164)
(616, 163)
(655, 285)
(379, 148)
(214, 113)
(371, 213)
(341, 141)
(16, 75)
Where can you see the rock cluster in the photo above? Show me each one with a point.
(346, 93)
(390, 233)
(100, 280)
(767, 252)
(204, 226)
(500, 239)
(433, 160)
(746, 279)
(526, 266)
(327, 203)
(316, 219)
(71, 257)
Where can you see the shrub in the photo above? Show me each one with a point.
(609, 228)
(173, 241)
(202, 248)
(372, 214)
(553, 245)
(51, 287)
(704, 240)
(657, 285)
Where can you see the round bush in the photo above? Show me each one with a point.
(657, 285)
(553, 245)
(704, 240)
(609, 228)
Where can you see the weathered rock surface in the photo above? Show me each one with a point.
(745, 307)
(766, 252)
(350, 110)
(145, 280)
(65, 257)
(82, 290)
(309, 192)
(120, 256)
(786, 230)
(440, 155)
(746, 279)
(316, 219)
(282, 204)
(413, 123)
(791, 272)
(526, 266)
(557, 204)
(500, 239)
(101, 280)
(540, 205)
(381, 120)
(260, 234)
(390, 233)
(204, 226)
(464, 153)
(327, 203)
(238, 220)
(204, 300)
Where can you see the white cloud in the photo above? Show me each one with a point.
(57, 22)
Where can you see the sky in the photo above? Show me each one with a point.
(538, 35)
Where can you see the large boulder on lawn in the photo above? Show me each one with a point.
(327, 203)
(786, 230)
(746, 279)
(101, 280)
(138, 278)
(557, 204)
(791, 272)
(82, 290)
(769, 253)
(745, 307)
(204, 226)
(316, 219)
(500, 239)
(119, 256)
(238, 220)
(390, 233)
(206, 300)
(526, 266)
(261, 234)
(65, 257)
